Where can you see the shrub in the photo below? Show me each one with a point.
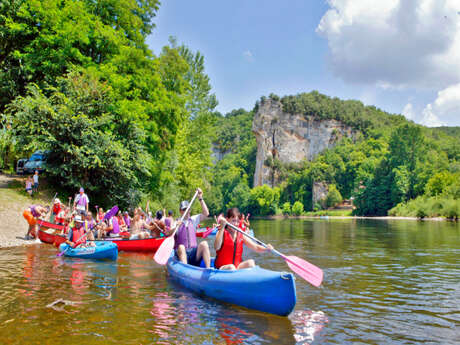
(286, 209)
(297, 208)
(333, 196)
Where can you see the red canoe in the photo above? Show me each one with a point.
(50, 238)
(44, 225)
(145, 245)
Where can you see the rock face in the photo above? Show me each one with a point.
(290, 138)
(319, 193)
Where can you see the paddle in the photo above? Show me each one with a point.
(108, 215)
(306, 270)
(164, 252)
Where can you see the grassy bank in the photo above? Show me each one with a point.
(423, 207)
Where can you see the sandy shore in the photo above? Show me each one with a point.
(13, 226)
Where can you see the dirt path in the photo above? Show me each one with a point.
(13, 201)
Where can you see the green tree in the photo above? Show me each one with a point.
(87, 147)
(264, 200)
(440, 182)
(333, 196)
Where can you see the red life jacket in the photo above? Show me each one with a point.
(56, 208)
(77, 236)
(230, 252)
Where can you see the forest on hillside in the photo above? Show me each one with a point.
(130, 124)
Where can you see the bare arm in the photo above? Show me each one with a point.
(219, 237)
(254, 246)
(204, 208)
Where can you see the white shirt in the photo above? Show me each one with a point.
(35, 178)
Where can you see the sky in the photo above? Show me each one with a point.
(403, 56)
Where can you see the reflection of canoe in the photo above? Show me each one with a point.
(253, 288)
(145, 245)
(102, 250)
(50, 238)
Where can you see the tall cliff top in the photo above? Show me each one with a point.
(350, 112)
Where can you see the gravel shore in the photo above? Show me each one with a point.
(13, 226)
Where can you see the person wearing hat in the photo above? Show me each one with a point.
(55, 210)
(81, 202)
(186, 246)
(76, 235)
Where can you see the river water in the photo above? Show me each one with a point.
(384, 282)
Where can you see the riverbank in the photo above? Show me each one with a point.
(13, 201)
(279, 217)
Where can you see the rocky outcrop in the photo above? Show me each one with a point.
(290, 138)
(319, 193)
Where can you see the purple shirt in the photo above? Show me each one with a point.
(186, 234)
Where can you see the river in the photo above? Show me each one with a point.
(384, 282)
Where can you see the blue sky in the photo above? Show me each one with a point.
(255, 47)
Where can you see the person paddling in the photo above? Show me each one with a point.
(81, 203)
(187, 249)
(31, 214)
(76, 237)
(229, 244)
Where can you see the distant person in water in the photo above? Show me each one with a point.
(229, 244)
(81, 203)
(31, 214)
(186, 246)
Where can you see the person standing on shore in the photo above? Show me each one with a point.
(81, 203)
(31, 214)
(29, 187)
(36, 181)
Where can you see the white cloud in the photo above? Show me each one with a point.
(394, 43)
(248, 56)
(445, 110)
(409, 112)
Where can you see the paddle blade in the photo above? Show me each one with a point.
(164, 252)
(306, 270)
(113, 211)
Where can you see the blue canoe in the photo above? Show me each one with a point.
(102, 250)
(253, 288)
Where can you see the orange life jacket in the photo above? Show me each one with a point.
(230, 252)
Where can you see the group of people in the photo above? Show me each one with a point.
(80, 225)
(32, 183)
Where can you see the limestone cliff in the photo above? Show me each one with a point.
(290, 138)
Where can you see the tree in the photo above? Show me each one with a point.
(333, 196)
(439, 183)
(264, 200)
(87, 147)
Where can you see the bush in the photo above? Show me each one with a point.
(286, 209)
(333, 196)
(297, 208)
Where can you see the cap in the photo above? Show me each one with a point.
(183, 205)
(57, 201)
(82, 190)
(78, 219)
(170, 213)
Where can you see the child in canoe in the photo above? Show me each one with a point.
(229, 244)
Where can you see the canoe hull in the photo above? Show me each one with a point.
(254, 288)
(50, 238)
(102, 250)
(148, 245)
